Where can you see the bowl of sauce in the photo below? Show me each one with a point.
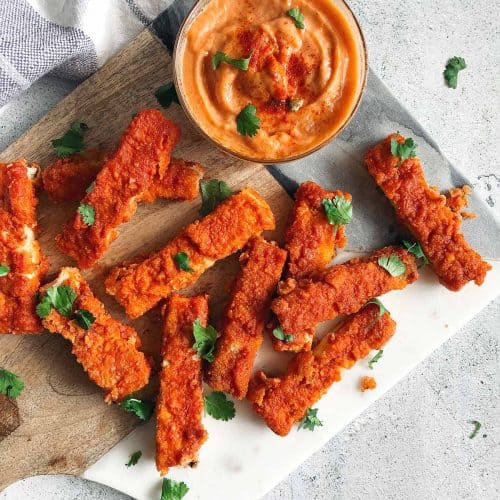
(270, 81)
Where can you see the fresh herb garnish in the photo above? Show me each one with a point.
(62, 298)
(142, 409)
(338, 211)
(4, 270)
(477, 426)
(10, 385)
(310, 420)
(219, 407)
(454, 65)
(295, 104)
(87, 213)
(403, 151)
(381, 308)
(72, 141)
(166, 95)
(90, 189)
(297, 16)
(392, 264)
(220, 57)
(205, 339)
(415, 249)
(43, 307)
(172, 490)
(247, 121)
(182, 262)
(281, 335)
(375, 359)
(134, 458)
(84, 318)
(213, 192)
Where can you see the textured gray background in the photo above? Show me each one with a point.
(413, 442)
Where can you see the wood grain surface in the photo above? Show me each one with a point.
(64, 424)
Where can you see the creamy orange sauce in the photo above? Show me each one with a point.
(319, 67)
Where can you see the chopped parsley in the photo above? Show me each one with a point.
(72, 141)
(414, 248)
(281, 335)
(173, 490)
(392, 264)
(62, 298)
(84, 318)
(220, 57)
(219, 407)
(403, 151)
(381, 308)
(310, 420)
(453, 66)
(90, 189)
(134, 458)
(247, 121)
(10, 385)
(338, 211)
(182, 262)
(213, 192)
(295, 104)
(205, 339)
(297, 16)
(477, 426)
(375, 359)
(142, 409)
(87, 213)
(166, 95)
(4, 270)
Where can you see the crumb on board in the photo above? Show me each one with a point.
(368, 384)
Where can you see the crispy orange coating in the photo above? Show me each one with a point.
(243, 321)
(179, 406)
(141, 285)
(283, 401)
(108, 350)
(368, 384)
(341, 289)
(428, 217)
(144, 150)
(19, 250)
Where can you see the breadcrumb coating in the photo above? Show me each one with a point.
(368, 384)
(242, 330)
(283, 401)
(428, 215)
(179, 406)
(108, 350)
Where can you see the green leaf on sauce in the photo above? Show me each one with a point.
(247, 121)
(454, 65)
(392, 264)
(220, 57)
(295, 104)
(297, 16)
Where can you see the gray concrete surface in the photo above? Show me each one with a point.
(413, 443)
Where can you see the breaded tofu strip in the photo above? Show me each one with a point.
(428, 217)
(341, 289)
(139, 286)
(23, 265)
(108, 350)
(179, 406)
(144, 150)
(244, 318)
(283, 402)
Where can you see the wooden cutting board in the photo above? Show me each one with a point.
(64, 424)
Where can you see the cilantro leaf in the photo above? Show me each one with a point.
(415, 249)
(392, 264)
(10, 385)
(403, 151)
(166, 95)
(338, 211)
(134, 458)
(91, 187)
(454, 65)
(247, 121)
(142, 409)
(84, 318)
(310, 420)
(61, 297)
(205, 339)
(87, 213)
(43, 307)
(172, 490)
(295, 104)
(375, 359)
(220, 57)
(4, 270)
(281, 335)
(213, 192)
(297, 16)
(181, 260)
(219, 407)
(72, 141)
(477, 426)
(381, 308)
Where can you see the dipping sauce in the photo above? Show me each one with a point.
(304, 82)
